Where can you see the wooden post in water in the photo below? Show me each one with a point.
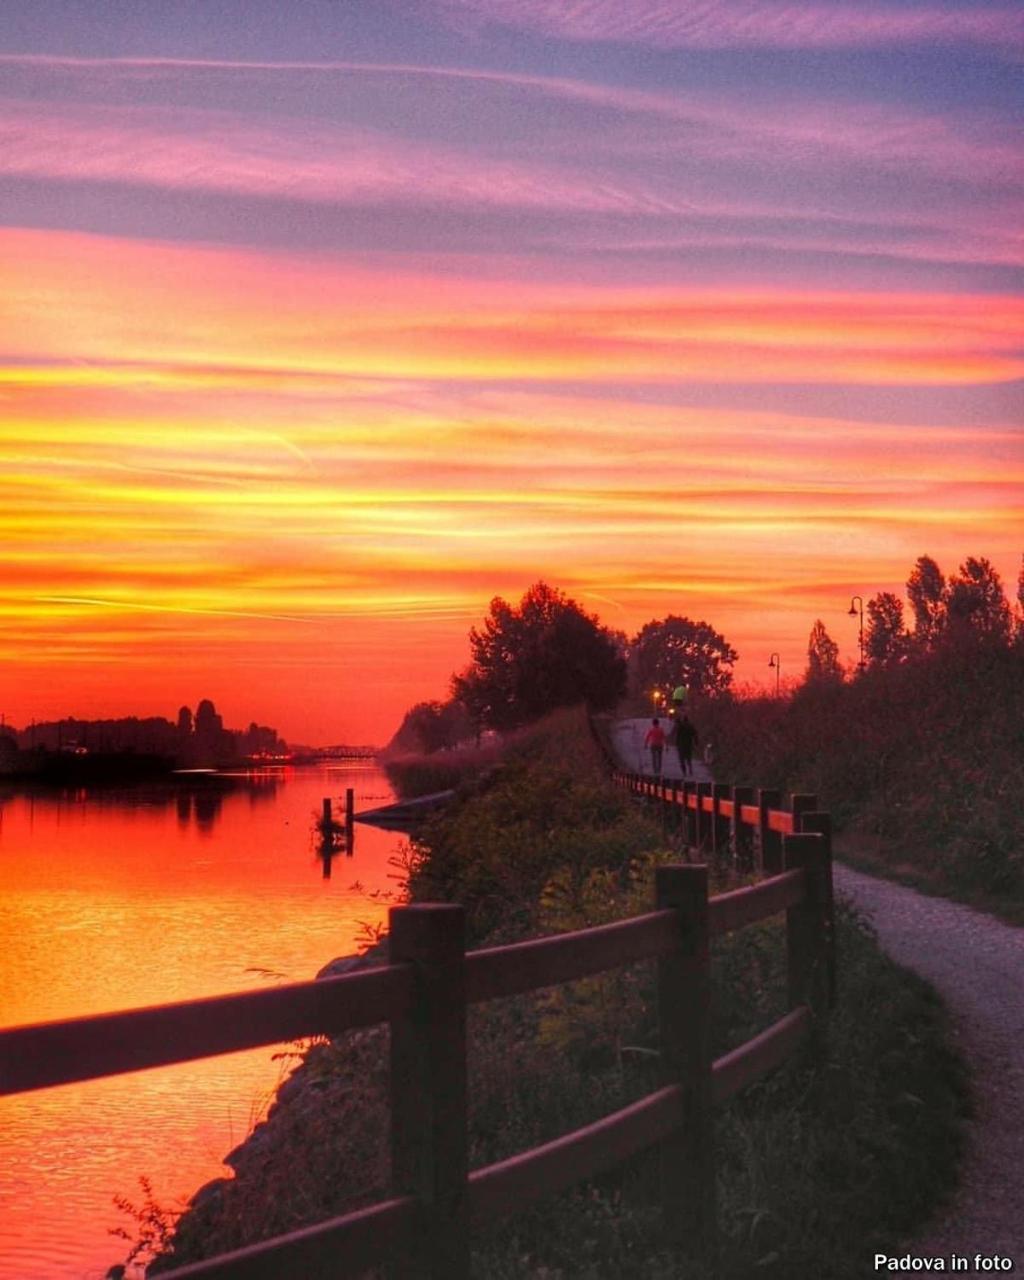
(326, 825)
(428, 1088)
(742, 835)
(770, 841)
(350, 830)
(684, 1020)
(806, 925)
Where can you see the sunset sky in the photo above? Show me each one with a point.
(322, 324)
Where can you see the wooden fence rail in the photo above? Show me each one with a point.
(423, 993)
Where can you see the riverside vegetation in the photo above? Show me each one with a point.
(921, 764)
(821, 1165)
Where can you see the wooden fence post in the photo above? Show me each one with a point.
(806, 925)
(820, 823)
(703, 832)
(684, 1020)
(428, 1088)
(742, 836)
(689, 815)
(770, 841)
(799, 805)
(720, 826)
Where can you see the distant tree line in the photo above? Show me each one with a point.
(545, 652)
(549, 652)
(199, 739)
(968, 608)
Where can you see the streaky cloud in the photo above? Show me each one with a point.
(745, 24)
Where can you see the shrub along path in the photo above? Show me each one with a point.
(976, 963)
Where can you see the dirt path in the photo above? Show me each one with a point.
(977, 964)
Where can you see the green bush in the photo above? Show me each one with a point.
(921, 765)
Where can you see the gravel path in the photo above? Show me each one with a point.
(628, 741)
(977, 964)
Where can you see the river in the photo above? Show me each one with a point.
(118, 898)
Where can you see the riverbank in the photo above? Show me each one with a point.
(819, 1165)
(71, 769)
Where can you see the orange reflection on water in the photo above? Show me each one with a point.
(116, 900)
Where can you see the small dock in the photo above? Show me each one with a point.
(404, 815)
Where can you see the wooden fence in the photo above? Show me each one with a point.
(423, 993)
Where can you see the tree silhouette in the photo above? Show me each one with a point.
(926, 589)
(822, 656)
(977, 607)
(886, 638)
(1020, 601)
(678, 651)
(530, 659)
(433, 726)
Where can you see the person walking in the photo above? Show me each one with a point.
(686, 740)
(656, 741)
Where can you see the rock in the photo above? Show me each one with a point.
(372, 959)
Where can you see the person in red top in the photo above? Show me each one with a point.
(656, 741)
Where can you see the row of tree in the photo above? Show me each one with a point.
(969, 607)
(548, 652)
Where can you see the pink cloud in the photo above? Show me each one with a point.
(220, 151)
(749, 23)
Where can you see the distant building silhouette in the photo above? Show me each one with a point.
(199, 740)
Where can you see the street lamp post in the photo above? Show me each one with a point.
(776, 662)
(656, 696)
(857, 607)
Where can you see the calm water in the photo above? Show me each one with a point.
(111, 900)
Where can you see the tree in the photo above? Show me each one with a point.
(926, 589)
(530, 659)
(432, 726)
(886, 639)
(822, 656)
(678, 651)
(977, 606)
(1020, 602)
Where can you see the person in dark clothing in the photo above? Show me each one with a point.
(686, 740)
(656, 741)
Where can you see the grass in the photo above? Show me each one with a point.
(421, 775)
(833, 1157)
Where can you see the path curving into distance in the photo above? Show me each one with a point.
(628, 742)
(976, 963)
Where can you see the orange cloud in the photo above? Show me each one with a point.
(225, 463)
(73, 298)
